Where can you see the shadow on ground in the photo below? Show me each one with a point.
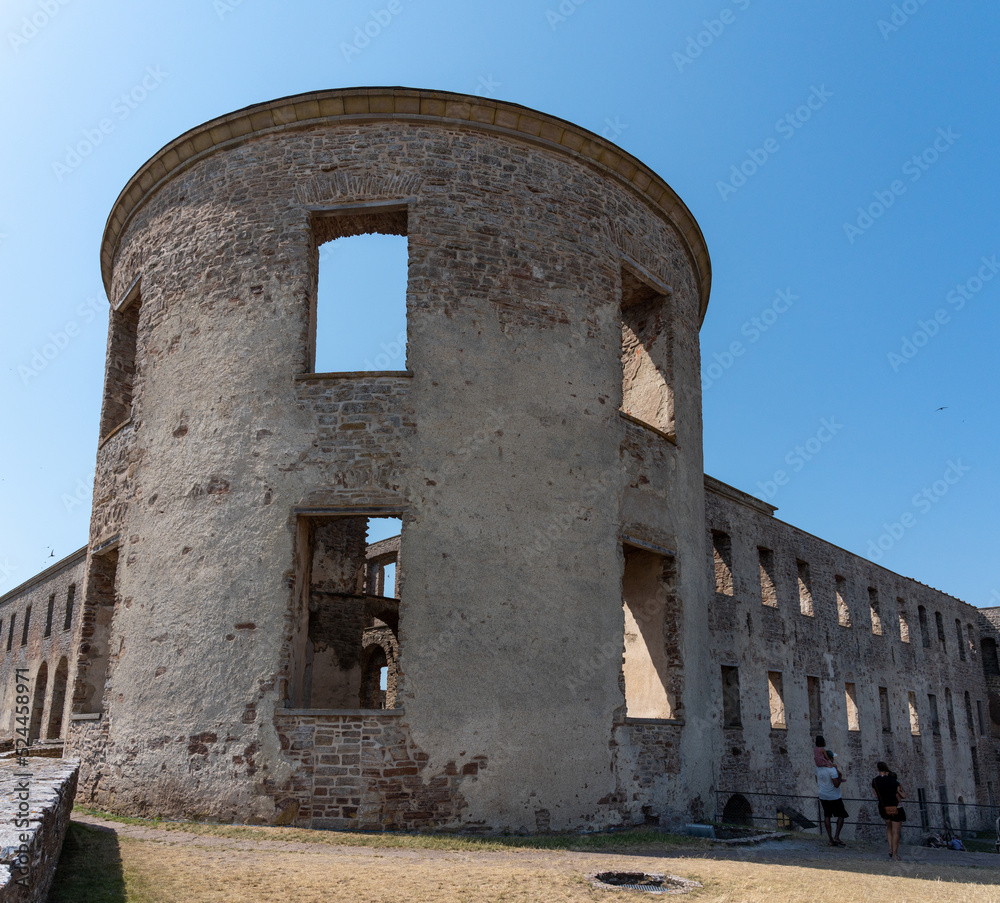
(90, 867)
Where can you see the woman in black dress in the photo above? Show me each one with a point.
(889, 793)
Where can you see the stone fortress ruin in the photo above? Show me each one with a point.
(574, 628)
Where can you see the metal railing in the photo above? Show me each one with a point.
(778, 811)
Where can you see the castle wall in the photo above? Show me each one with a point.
(883, 660)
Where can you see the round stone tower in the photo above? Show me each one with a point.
(542, 648)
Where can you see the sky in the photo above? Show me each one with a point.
(840, 158)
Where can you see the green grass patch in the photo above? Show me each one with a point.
(635, 840)
(90, 868)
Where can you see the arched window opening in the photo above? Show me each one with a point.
(738, 811)
(55, 726)
(38, 702)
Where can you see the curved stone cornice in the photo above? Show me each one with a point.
(363, 104)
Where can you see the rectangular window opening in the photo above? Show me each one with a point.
(99, 606)
(731, 716)
(914, 715)
(119, 379)
(646, 353)
(970, 636)
(851, 700)
(873, 606)
(27, 625)
(722, 554)
(904, 621)
(10, 633)
(70, 598)
(776, 700)
(359, 318)
(652, 664)
(883, 704)
(979, 713)
(815, 705)
(935, 720)
(805, 589)
(969, 720)
(768, 592)
(961, 641)
(976, 777)
(949, 708)
(939, 623)
(925, 637)
(349, 630)
(48, 616)
(843, 609)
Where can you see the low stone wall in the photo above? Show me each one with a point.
(36, 800)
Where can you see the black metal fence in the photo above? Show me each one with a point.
(793, 812)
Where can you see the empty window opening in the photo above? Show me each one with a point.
(843, 609)
(969, 722)
(58, 703)
(99, 607)
(731, 697)
(993, 708)
(805, 589)
(768, 593)
(961, 641)
(10, 633)
(27, 626)
(652, 665)
(979, 718)
(883, 704)
(360, 313)
(904, 621)
(48, 615)
(38, 702)
(914, 714)
(776, 700)
(925, 637)
(939, 623)
(815, 705)
(991, 666)
(646, 354)
(70, 597)
(873, 607)
(851, 700)
(722, 553)
(970, 636)
(976, 778)
(925, 817)
(935, 720)
(349, 625)
(949, 708)
(119, 378)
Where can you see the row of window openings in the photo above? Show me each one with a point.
(26, 626)
(722, 555)
(732, 718)
(361, 276)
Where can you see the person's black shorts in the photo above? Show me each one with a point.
(899, 816)
(833, 809)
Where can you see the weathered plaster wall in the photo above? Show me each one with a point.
(759, 638)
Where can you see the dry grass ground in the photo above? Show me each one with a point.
(144, 862)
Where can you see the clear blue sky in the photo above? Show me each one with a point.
(696, 90)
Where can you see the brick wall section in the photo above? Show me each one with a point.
(51, 650)
(758, 639)
(364, 772)
(27, 866)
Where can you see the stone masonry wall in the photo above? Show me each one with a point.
(855, 645)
